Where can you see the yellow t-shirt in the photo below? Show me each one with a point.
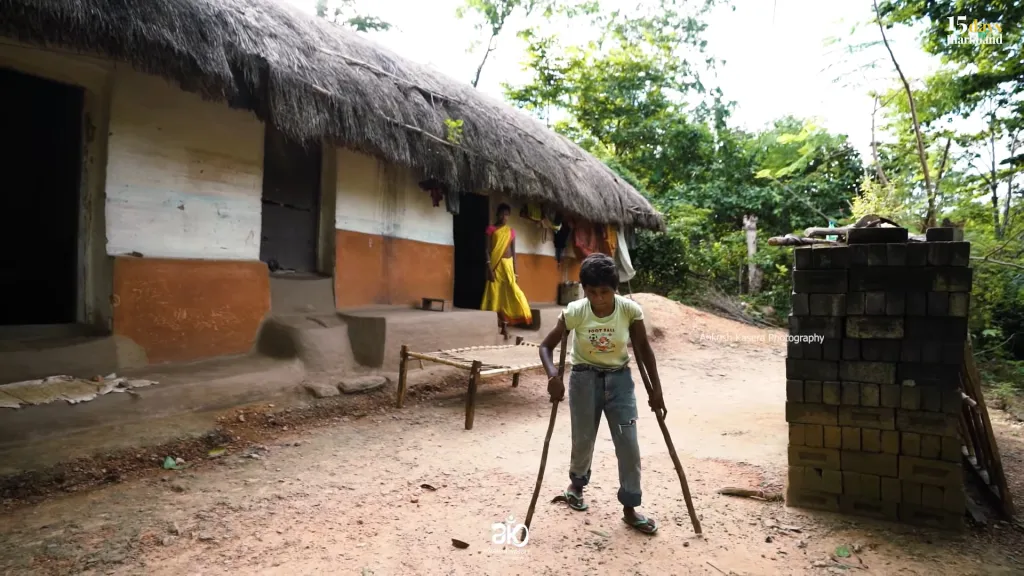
(601, 341)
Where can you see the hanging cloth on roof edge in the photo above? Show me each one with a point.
(438, 192)
(623, 262)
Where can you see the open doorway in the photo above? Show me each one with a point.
(42, 120)
(291, 203)
(470, 236)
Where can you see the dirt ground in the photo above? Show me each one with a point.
(381, 491)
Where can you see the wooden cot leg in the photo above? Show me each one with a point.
(474, 381)
(403, 374)
(515, 377)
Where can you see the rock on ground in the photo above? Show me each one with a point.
(363, 384)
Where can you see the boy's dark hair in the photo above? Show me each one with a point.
(599, 270)
(503, 208)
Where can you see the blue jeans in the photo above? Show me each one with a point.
(591, 392)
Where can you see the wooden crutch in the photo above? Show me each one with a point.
(671, 448)
(547, 438)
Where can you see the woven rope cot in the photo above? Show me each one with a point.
(480, 361)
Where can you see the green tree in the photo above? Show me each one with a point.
(344, 14)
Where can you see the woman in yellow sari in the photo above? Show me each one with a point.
(502, 294)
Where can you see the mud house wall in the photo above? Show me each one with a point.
(539, 271)
(183, 202)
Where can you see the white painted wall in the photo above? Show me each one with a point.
(184, 176)
(377, 198)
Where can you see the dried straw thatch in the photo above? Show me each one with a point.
(313, 79)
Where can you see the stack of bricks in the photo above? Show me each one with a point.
(872, 394)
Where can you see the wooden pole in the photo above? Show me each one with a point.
(547, 437)
(403, 375)
(671, 451)
(515, 377)
(474, 381)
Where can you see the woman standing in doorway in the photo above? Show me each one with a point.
(502, 294)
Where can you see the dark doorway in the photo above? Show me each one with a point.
(291, 203)
(41, 121)
(470, 236)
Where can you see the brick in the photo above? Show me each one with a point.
(959, 304)
(895, 303)
(855, 303)
(931, 399)
(874, 303)
(910, 351)
(800, 413)
(935, 472)
(824, 458)
(877, 255)
(821, 480)
(939, 253)
(874, 464)
(936, 328)
(952, 401)
(931, 447)
(919, 516)
(833, 436)
(874, 372)
(797, 435)
(800, 304)
(891, 490)
(869, 394)
(864, 417)
(916, 304)
(911, 444)
(927, 374)
(931, 352)
(917, 254)
(960, 254)
(866, 486)
(878, 279)
(875, 509)
(810, 351)
(826, 327)
(910, 398)
(954, 499)
(831, 393)
(890, 442)
(813, 436)
(795, 390)
(951, 451)
(830, 349)
(917, 279)
(811, 370)
(828, 304)
(911, 493)
(951, 279)
(849, 393)
(871, 440)
(938, 303)
(938, 424)
(889, 396)
(880, 350)
(851, 438)
(802, 259)
(851, 349)
(820, 281)
(794, 350)
(812, 500)
(953, 353)
(943, 234)
(812, 392)
(830, 257)
(896, 254)
(795, 478)
(858, 255)
(877, 236)
(931, 497)
(874, 327)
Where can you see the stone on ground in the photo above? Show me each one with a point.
(321, 389)
(362, 384)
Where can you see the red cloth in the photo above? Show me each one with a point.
(492, 228)
(589, 238)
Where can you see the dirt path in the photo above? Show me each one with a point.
(348, 498)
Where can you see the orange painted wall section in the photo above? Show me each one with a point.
(180, 310)
(539, 276)
(372, 269)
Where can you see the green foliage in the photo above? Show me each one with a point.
(344, 15)
(453, 130)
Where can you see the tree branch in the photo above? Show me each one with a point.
(930, 217)
(1000, 262)
(874, 147)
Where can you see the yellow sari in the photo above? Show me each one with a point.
(503, 294)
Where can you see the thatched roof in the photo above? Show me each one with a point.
(313, 79)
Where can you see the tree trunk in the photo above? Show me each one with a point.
(754, 273)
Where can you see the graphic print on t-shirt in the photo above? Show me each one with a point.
(601, 340)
